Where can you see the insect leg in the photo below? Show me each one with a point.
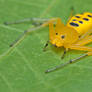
(73, 60)
(18, 39)
(71, 13)
(78, 47)
(33, 20)
(62, 57)
(21, 37)
(44, 49)
(65, 64)
(85, 35)
(85, 41)
(65, 50)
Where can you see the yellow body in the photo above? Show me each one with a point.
(75, 34)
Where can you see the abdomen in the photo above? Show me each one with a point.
(81, 22)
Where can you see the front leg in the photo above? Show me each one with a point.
(34, 21)
(24, 34)
(65, 50)
(46, 45)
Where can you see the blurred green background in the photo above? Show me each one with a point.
(22, 70)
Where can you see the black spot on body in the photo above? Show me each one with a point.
(74, 20)
(77, 16)
(86, 19)
(81, 22)
(89, 15)
(74, 24)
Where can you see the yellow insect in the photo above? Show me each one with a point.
(74, 35)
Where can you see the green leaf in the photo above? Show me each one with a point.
(22, 69)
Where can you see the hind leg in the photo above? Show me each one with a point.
(71, 14)
(84, 41)
(73, 60)
(89, 49)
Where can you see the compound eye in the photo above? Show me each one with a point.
(63, 36)
(56, 33)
